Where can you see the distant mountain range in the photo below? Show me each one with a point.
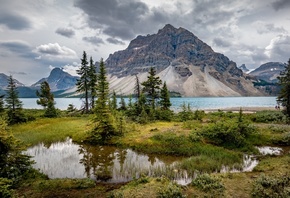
(59, 81)
(188, 65)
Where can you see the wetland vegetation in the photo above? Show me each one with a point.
(204, 143)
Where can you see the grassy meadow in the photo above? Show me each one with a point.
(206, 144)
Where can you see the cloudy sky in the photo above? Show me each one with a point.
(38, 35)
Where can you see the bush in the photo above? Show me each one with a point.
(272, 186)
(284, 140)
(269, 117)
(170, 191)
(5, 188)
(229, 134)
(186, 113)
(207, 183)
(165, 115)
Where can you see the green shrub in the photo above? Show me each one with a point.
(198, 115)
(185, 114)
(170, 191)
(278, 129)
(272, 186)
(269, 117)
(229, 134)
(207, 183)
(283, 140)
(5, 188)
(162, 114)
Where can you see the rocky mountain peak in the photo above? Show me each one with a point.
(58, 80)
(184, 57)
(244, 68)
(268, 71)
(167, 29)
(4, 81)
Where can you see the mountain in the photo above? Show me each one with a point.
(62, 84)
(266, 77)
(58, 80)
(244, 68)
(4, 81)
(188, 65)
(269, 71)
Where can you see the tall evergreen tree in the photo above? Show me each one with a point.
(44, 95)
(102, 87)
(13, 104)
(284, 95)
(164, 98)
(104, 127)
(114, 101)
(46, 99)
(92, 82)
(2, 103)
(151, 87)
(137, 89)
(83, 85)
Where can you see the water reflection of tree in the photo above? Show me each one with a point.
(121, 157)
(98, 161)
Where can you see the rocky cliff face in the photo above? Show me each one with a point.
(188, 65)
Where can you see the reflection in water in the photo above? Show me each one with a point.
(111, 164)
(102, 163)
(268, 150)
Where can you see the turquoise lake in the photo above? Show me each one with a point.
(195, 103)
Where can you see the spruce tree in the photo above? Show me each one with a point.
(151, 87)
(83, 85)
(13, 104)
(46, 99)
(114, 101)
(92, 82)
(2, 103)
(44, 95)
(103, 128)
(137, 89)
(164, 98)
(13, 163)
(284, 95)
(102, 88)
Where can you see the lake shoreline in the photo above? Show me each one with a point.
(244, 109)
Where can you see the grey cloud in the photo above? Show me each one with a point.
(15, 46)
(115, 41)
(117, 18)
(122, 32)
(221, 42)
(281, 4)
(14, 21)
(19, 48)
(65, 32)
(93, 40)
(269, 28)
(17, 73)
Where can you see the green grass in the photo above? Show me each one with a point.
(48, 130)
